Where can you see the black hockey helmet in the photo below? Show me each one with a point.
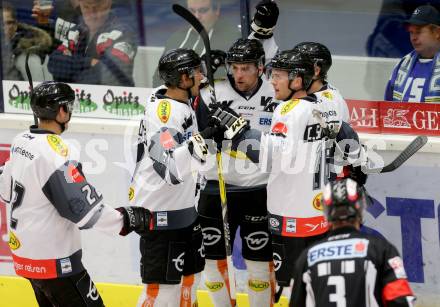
(48, 97)
(343, 199)
(296, 64)
(246, 50)
(319, 54)
(177, 62)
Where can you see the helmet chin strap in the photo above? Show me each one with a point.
(292, 92)
(63, 125)
(188, 89)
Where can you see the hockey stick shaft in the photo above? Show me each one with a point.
(244, 18)
(195, 23)
(407, 153)
(29, 75)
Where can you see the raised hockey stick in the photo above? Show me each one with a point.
(409, 151)
(244, 18)
(29, 75)
(195, 23)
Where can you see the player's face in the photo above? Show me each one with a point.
(245, 75)
(204, 11)
(9, 24)
(95, 12)
(425, 39)
(280, 82)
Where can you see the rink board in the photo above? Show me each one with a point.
(406, 211)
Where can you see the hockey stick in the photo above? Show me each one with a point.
(195, 23)
(29, 75)
(244, 18)
(409, 151)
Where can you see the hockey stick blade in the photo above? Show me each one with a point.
(407, 153)
(195, 23)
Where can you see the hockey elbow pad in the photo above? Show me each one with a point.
(135, 219)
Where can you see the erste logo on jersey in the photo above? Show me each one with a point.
(288, 106)
(164, 111)
(280, 128)
(74, 175)
(336, 250)
(57, 144)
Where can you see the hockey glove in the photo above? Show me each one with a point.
(265, 19)
(135, 219)
(197, 145)
(1, 169)
(229, 121)
(217, 59)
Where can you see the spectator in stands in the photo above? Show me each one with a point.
(221, 33)
(67, 14)
(99, 50)
(390, 38)
(414, 77)
(19, 39)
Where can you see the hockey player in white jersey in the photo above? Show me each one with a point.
(166, 181)
(247, 92)
(51, 201)
(297, 153)
(321, 89)
(322, 59)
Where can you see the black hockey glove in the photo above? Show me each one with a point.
(232, 124)
(217, 59)
(135, 219)
(265, 19)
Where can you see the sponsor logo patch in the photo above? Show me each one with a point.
(211, 235)
(66, 266)
(279, 128)
(288, 106)
(277, 262)
(291, 225)
(317, 202)
(214, 286)
(74, 174)
(57, 145)
(327, 95)
(13, 243)
(397, 264)
(162, 219)
(258, 285)
(342, 249)
(179, 262)
(164, 111)
(130, 194)
(257, 240)
(274, 222)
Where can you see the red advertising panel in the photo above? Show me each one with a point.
(395, 118)
(5, 253)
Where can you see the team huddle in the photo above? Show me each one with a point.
(293, 191)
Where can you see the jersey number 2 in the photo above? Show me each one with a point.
(16, 202)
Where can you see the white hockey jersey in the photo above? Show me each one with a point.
(296, 155)
(166, 179)
(330, 93)
(257, 110)
(50, 201)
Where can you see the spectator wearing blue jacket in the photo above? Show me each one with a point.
(416, 78)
